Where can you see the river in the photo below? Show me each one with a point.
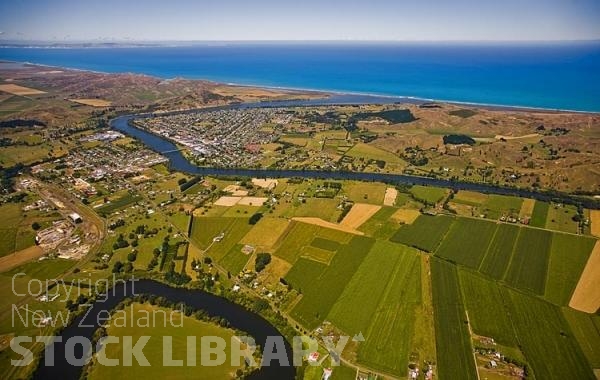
(238, 317)
(178, 162)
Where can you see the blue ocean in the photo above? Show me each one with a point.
(545, 75)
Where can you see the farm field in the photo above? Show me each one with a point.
(497, 205)
(586, 297)
(266, 232)
(294, 238)
(389, 337)
(546, 339)
(318, 298)
(153, 350)
(467, 241)
(529, 264)
(485, 304)
(424, 233)
(380, 225)
(497, 258)
(568, 256)
(204, 229)
(585, 329)
(354, 309)
(470, 198)
(365, 192)
(453, 341)
(540, 212)
(527, 208)
(359, 213)
(561, 219)
(428, 194)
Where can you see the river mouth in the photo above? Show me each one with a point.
(238, 317)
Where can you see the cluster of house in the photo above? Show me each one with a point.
(225, 138)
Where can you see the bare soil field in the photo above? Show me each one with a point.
(265, 183)
(586, 297)
(227, 201)
(360, 213)
(19, 90)
(390, 196)
(322, 223)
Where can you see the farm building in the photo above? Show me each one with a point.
(75, 217)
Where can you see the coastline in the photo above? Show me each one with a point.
(329, 92)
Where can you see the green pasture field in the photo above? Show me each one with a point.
(500, 251)
(467, 241)
(304, 274)
(568, 256)
(204, 229)
(540, 212)
(561, 219)
(326, 244)
(453, 342)
(485, 305)
(297, 236)
(585, 329)
(379, 225)
(546, 338)
(318, 299)
(153, 350)
(365, 192)
(317, 254)
(470, 198)
(497, 205)
(235, 260)
(323, 208)
(529, 264)
(354, 310)
(118, 204)
(424, 233)
(428, 194)
(389, 335)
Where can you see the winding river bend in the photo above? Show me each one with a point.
(238, 317)
(179, 163)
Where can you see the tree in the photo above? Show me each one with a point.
(261, 261)
(35, 226)
(117, 267)
(131, 257)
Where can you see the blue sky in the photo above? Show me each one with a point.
(436, 20)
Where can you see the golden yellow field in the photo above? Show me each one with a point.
(406, 216)
(92, 102)
(322, 223)
(265, 183)
(586, 297)
(595, 222)
(266, 232)
(19, 90)
(360, 213)
(227, 201)
(527, 208)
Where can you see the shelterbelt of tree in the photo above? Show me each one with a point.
(180, 163)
